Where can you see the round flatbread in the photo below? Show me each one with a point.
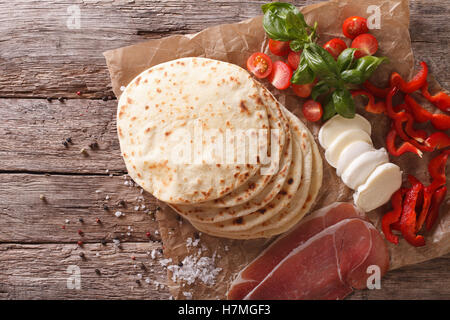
(262, 204)
(254, 225)
(163, 116)
(279, 142)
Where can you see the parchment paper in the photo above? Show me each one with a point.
(234, 43)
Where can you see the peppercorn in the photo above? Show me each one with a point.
(180, 264)
(83, 151)
(138, 282)
(143, 267)
(61, 99)
(69, 140)
(78, 93)
(103, 242)
(65, 143)
(148, 234)
(42, 197)
(82, 256)
(98, 221)
(93, 145)
(80, 243)
(133, 258)
(105, 98)
(80, 232)
(49, 99)
(81, 220)
(105, 207)
(121, 203)
(97, 271)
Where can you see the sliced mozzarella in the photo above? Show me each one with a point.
(350, 153)
(344, 139)
(338, 124)
(379, 187)
(360, 169)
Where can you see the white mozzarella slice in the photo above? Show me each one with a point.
(379, 187)
(345, 138)
(350, 153)
(360, 169)
(338, 124)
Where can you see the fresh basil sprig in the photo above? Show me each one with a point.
(284, 22)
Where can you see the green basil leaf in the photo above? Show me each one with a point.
(283, 21)
(353, 76)
(343, 103)
(296, 45)
(368, 64)
(328, 108)
(303, 74)
(319, 89)
(321, 62)
(346, 59)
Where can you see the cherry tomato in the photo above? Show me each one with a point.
(335, 47)
(294, 59)
(281, 75)
(279, 48)
(354, 26)
(302, 90)
(366, 44)
(259, 64)
(312, 110)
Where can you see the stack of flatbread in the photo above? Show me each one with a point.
(187, 129)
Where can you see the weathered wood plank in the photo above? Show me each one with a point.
(40, 56)
(427, 280)
(32, 132)
(40, 271)
(25, 218)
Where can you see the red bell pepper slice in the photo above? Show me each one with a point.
(436, 201)
(440, 99)
(405, 147)
(420, 114)
(408, 217)
(417, 82)
(376, 91)
(393, 216)
(372, 106)
(438, 140)
(438, 120)
(436, 168)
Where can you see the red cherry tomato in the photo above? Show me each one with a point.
(279, 48)
(294, 59)
(366, 44)
(281, 75)
(302, 90)
(335, 47)
(312, 110)
(354, 26)
(259, 64)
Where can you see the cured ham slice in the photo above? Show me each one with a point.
(327, 266)
(251, 276)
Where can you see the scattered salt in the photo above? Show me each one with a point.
(118, 214)
(193, 268)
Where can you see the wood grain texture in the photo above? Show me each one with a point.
(40, 56)
(25, 218)
(39, 271)
(32, 132)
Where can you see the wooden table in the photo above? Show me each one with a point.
(46, 187)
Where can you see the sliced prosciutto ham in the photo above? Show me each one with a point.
(323, 257)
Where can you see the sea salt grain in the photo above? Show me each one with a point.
(122, 88)
(188, 295)
(193, 268)
(118, 214)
